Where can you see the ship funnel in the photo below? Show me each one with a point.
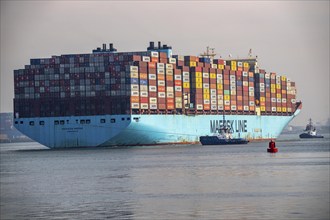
(151, 46)
(104, 47)
(111, 48)
(159, 45)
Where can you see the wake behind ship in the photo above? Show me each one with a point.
(110, 98)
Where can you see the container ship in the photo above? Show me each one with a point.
(110, 98)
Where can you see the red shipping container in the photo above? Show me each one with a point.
(161, 88)
(177, 83)
(152, 70)
(170, 100)
(144, 99)
(152, 83)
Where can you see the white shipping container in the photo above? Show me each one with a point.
(279, 100)
(169, 66)
(199, 107)
(134, 68)
(220, 97)
(185, 79)
(245, 83)
(152, 76)
(273, 99)
(233, 92)
(251, 94)
(153, 106)
(262, 89)
(135, 105)
(135, 93)
(219, 81)
(213, 102)
(160, 66)
(153, 88)
(184, 73)
(178, 105)
(178, 99)
(153, 100)
(154, 54)
(246, 108)
(232, 77)
(213, 107)
(134, 75)
(178, 88)
(145, 59)
(134, 87)
(143, 88)
(161, 83)
(214, 97)
(206, 85)
(251, 89)
(177, 77)
(227, 102)
(273, 109)
(161, 94)
(169, 89)
(220, 107)
(170, 95)
(233, 107)
(144, 94)
(245, 73)
(206, 101)
(205, 75)
(215, 66)
(169, 72)
(213, 91)
(144, 105)
(293, 101)
(240, 64)
(219, 76)
(283, 100)
(172, 60)
(160, 71)
(262, 85)
(267, 76)
(251, 103)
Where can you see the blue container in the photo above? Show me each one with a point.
(143, 82)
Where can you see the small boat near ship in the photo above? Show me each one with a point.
(310, 131)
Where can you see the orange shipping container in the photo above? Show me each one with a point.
(151, 65)
(161, 77)
(143, 76)
(170, 105)
(161, 88)
(135, 99)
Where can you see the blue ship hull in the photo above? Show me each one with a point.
(130, 130)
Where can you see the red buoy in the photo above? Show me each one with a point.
(272, 148)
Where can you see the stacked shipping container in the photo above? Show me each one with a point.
(148, 82)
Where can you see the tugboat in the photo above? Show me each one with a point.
(224, 137)
(310, 131)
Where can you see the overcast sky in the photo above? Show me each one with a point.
(290, 38)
